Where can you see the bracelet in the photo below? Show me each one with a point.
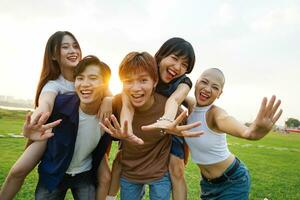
(165, 118)
(162, 132)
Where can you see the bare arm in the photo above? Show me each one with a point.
(40, 115)
(175, 100)
(267, 116)
(171, 108)
(127, 113)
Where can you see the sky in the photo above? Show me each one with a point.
(255, 43)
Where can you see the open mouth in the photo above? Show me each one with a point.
(171, 73)
(86, 93)
(203, 96)
(137, 97)
(72, 58)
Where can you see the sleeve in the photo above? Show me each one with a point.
(50, 86)
(186, 80)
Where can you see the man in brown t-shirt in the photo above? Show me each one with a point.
(145, 163)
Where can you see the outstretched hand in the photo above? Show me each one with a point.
(173, 127)
(37, 130)
(116, 131)
(266, 118)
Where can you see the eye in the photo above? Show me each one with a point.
(93, 77)
(203, 81)
(185, 66)
(76, 46)
(174, 57)
(79, 78)
(144, 80)
(64, 47)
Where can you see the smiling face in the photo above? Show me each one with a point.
(172, 67)
(209, 87)
(70, 53)
(139, 88)
(89, 85)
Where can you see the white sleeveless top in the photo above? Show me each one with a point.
(209, 148)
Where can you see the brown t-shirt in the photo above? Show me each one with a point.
(147, 162)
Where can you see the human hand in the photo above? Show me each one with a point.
(37, 130)
(266, 118)
(174, 128)
(115, 130)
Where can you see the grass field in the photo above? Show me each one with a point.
(273, 163)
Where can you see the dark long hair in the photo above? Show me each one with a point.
(180, 48)
(51, 68)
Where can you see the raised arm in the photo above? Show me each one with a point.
(267, 116)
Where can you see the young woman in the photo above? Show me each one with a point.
(224, 176)
(62, 54)
(174, 59)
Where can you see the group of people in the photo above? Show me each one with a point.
(77, 118)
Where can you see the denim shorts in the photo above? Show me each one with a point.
(234, 187)
(158, 190)
(177, 148)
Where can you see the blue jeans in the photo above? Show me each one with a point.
(235, 187)
(81, 185)
(158, 190)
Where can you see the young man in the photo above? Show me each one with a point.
(75, 151)
(146, 163)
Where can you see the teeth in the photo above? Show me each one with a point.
(137, 95)
(86, 92)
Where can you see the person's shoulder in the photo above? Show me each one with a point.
(216, 111)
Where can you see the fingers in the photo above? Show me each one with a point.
(262, 108)
(134, 139)
(270, 106)
(180, 117)
(115, 122)
(191, 133)
(28, 118)
(188, 126)
(276, 117)
(274, 109)
(106, 129)
(43, 119)
(37, 118)
(46, 136)
(125, 127)
(149, 127)
(51, 125)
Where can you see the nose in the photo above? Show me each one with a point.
(85, 83)
(177, 66)
(135, 86)
(72, 49)
(207, 89)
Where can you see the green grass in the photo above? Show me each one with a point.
(11, 121)
(273, 163)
